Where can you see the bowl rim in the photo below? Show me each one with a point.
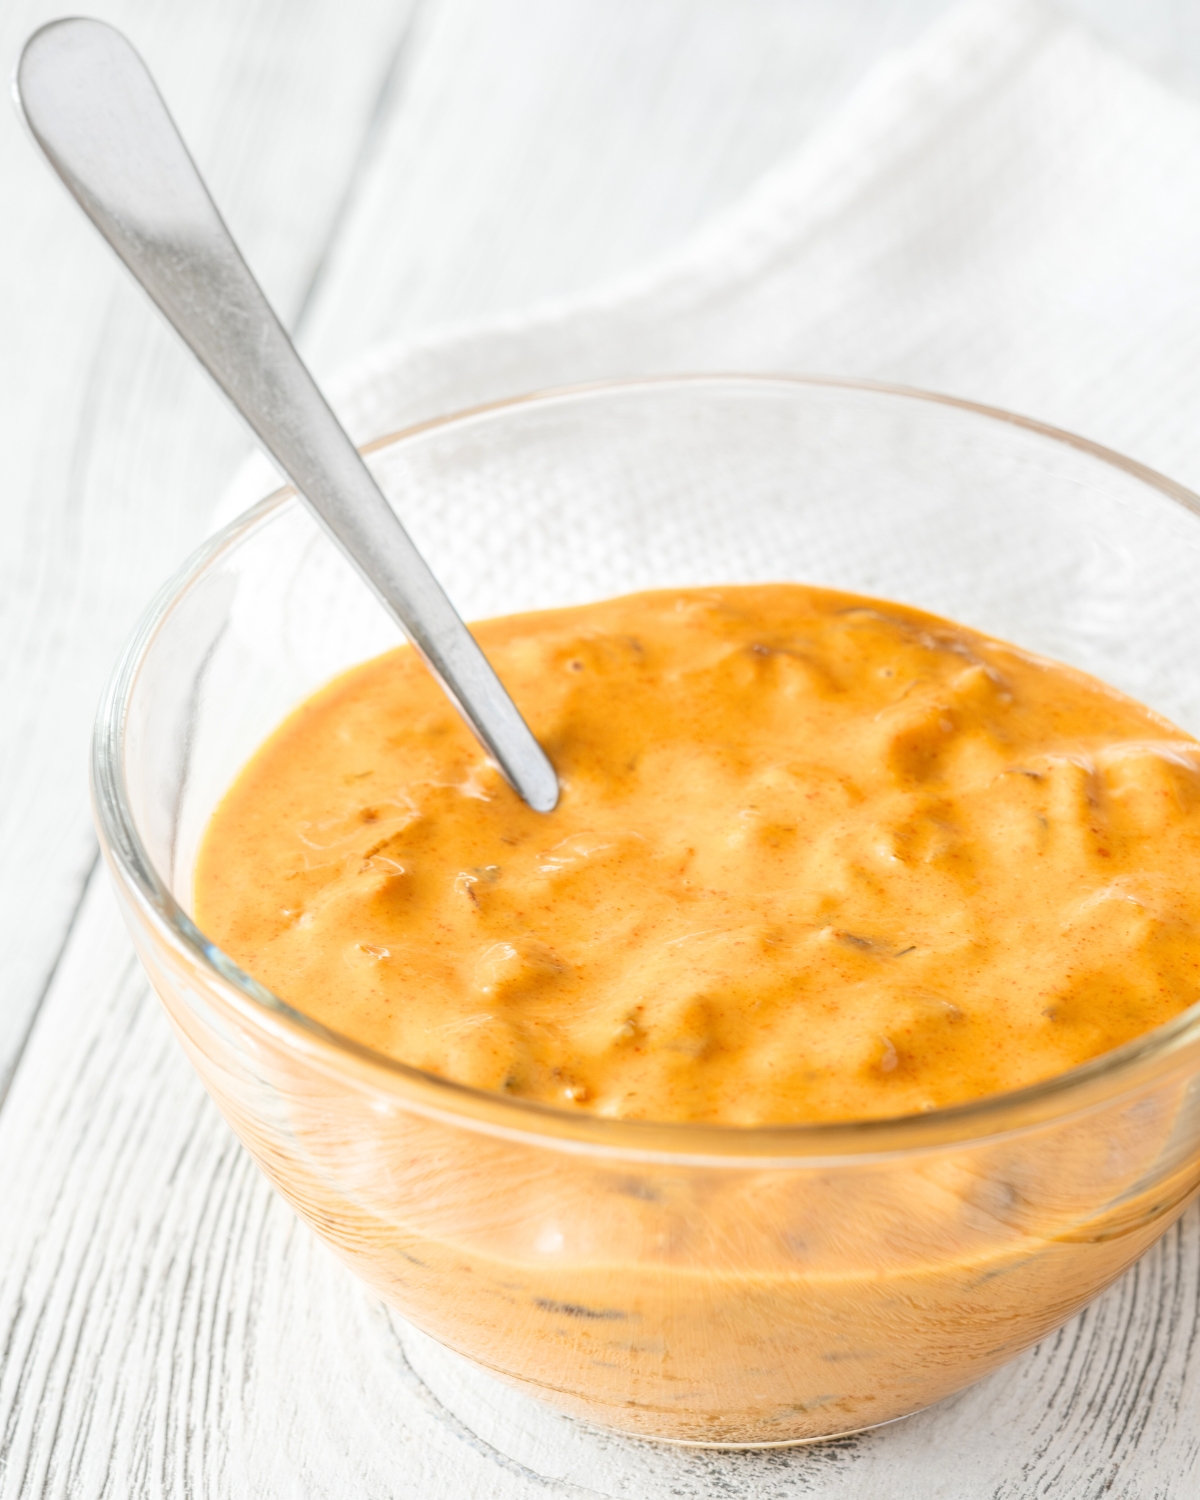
(1082, 1089)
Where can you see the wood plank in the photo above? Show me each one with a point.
(114, 447)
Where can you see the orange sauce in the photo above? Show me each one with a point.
(817, 857)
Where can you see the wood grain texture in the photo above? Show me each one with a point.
(114, 447)
(167, 1328)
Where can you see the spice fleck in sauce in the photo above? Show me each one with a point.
(817, 857)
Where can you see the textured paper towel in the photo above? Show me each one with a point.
(1008, 211)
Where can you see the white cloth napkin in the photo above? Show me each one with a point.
(1007, 211)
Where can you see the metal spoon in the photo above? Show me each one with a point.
(93, 109)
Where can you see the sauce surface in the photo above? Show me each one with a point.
(817, 857)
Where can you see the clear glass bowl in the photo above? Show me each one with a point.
(718, 1285)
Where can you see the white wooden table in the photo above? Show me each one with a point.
(391, 166)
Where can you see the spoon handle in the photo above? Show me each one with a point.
(93, 109)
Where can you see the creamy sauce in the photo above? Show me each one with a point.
(817, 857)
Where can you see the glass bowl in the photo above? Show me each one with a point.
(701, 1284)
